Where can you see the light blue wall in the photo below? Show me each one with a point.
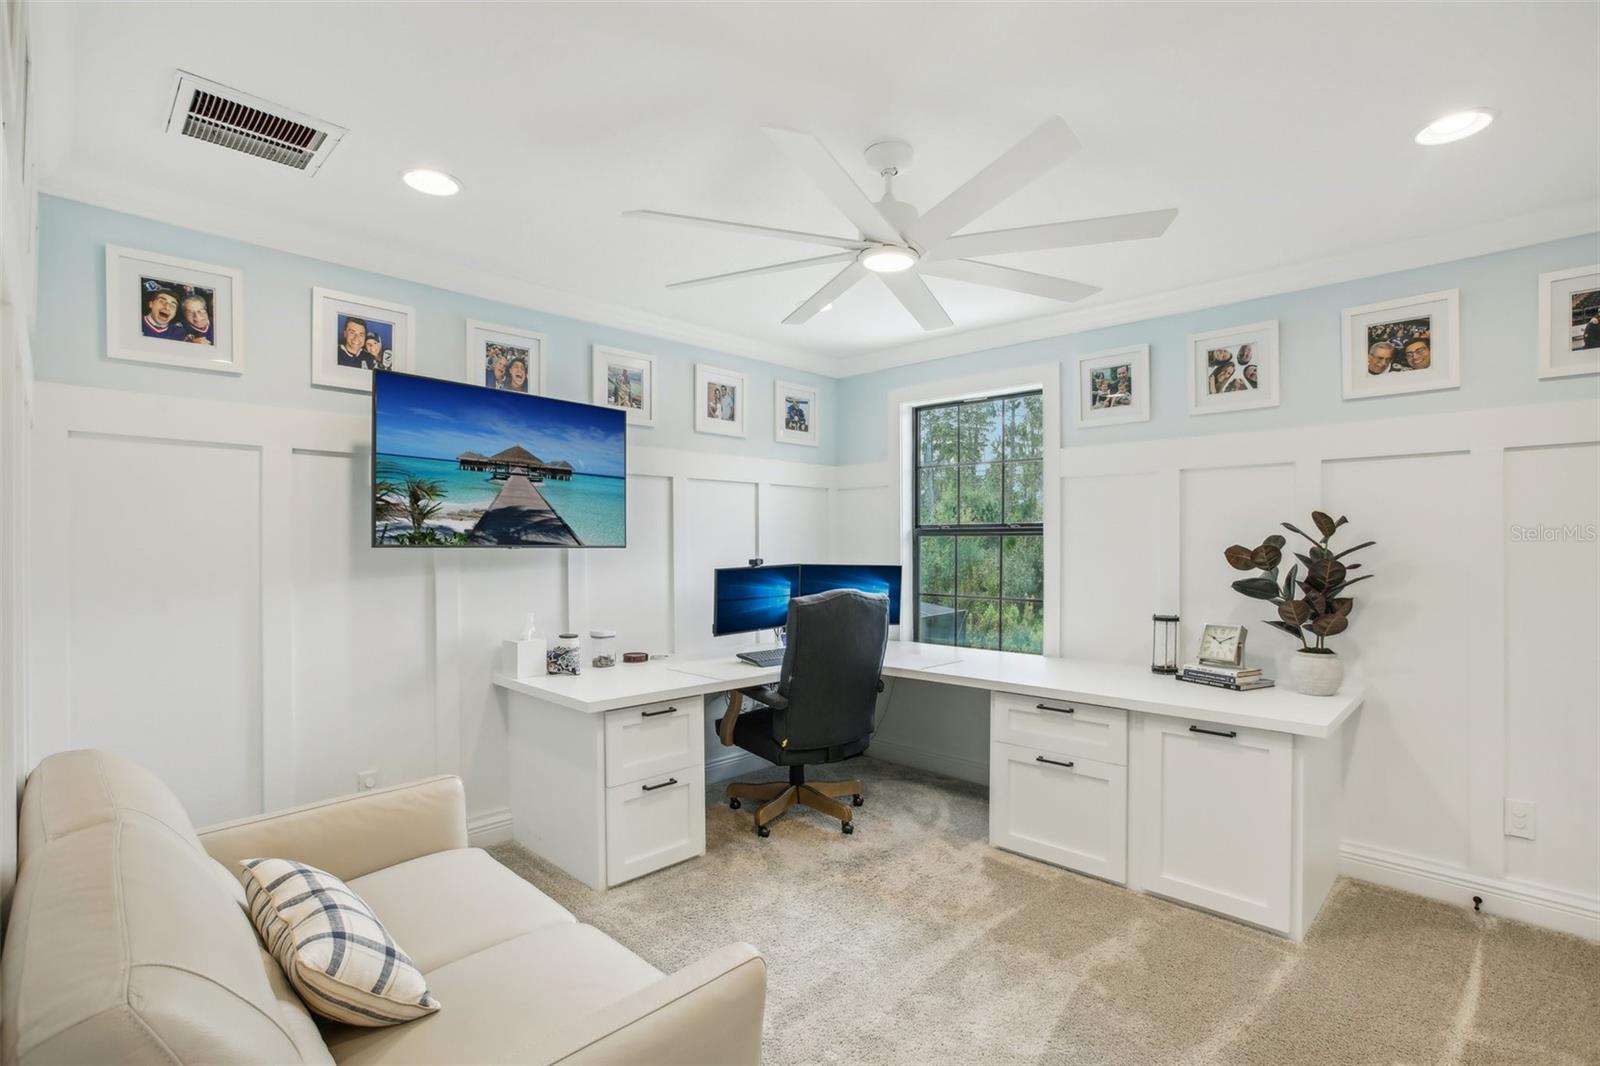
(1499, 358)
(70, 345)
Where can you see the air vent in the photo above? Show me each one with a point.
(216, 114)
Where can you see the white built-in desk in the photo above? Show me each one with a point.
(1229, 801)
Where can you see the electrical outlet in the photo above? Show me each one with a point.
(366, 779)
(1519, 818)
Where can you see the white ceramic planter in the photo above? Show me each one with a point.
(1317, 675)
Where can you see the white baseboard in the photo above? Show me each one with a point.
(1552, 908)
(735, 762)
(939, 762)
(490, 827)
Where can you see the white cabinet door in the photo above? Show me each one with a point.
(1213, 817)
(652, 740)
(1064, 726)
(1069, 811)
(655, 823)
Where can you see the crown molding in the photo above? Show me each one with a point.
(343, 249)
(1570, 220)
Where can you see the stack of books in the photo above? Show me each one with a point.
(1238, 678)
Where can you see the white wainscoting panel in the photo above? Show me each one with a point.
(163, 543)
(362, 624)
(1407, 783)
(1553, 669)
(630, 590)
(722, 515)
(865, 522)
(795, 524)
(1111, 544)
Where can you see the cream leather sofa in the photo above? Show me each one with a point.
(127, 942)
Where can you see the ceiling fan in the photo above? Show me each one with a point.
(899, 245)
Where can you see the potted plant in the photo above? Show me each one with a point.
(1313, 604)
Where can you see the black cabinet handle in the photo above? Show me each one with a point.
(664, 784)
(1059, 710)
(652, 714)
(1052, 762)
(1229, 734)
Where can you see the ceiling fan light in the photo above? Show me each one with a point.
(888, 259)
(1455, 126)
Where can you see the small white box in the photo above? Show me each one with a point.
(524, 658)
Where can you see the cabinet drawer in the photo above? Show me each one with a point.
(652, 740)
(652, 824)
(1069, 811)
(1062, 726)
(1213, 817)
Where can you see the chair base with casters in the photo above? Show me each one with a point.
(776, 798)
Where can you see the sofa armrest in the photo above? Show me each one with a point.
(351, 835)
(707, 1014)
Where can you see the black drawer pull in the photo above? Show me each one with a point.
(1058, 710)
(1052, 762)
(664, 784)
(652, 714)
(1229, 734)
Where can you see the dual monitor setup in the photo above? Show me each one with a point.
(752, 598)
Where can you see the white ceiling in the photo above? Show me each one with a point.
(1281, 132)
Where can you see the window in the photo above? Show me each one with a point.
(978, 534)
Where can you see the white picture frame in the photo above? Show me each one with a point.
(730, 403)
(1557, 289)
(1099, 378)
(330, 311)
(636, 372)
(1429, 324)
(511, 346)
(795, 414)
(190, 292)
(1262, 340)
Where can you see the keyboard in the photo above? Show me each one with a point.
(763, 657)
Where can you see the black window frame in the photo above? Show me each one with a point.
(959, 530)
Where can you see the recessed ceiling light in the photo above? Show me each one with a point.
(827, 307)
(888, 259)
(431, 182)
(1455, 126)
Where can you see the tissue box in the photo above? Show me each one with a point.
(524, 658)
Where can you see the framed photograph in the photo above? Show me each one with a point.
(794, 413)
(1222, 645)
(1233, 369)
(1569, 322)
(719, 398)
(1402, 346)
(174, 312)
(352, 336)
(500, 357)
(1114, 387)
(626, 380)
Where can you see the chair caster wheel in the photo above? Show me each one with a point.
(857, 800)
(763, 831)
(734, 804)
(846, 828)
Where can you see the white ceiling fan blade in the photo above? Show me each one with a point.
(1108, 230)
(837, 257)
(999, 277)
(827, 294)
(745, 227)
(1026, 161)
(810, 155)
(915, 296)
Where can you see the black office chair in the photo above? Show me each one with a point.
(821, 709)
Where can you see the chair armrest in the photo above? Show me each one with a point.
(351, 835)
(707, 1014)
(769, 695)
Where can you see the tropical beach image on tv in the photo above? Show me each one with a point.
(460, 465)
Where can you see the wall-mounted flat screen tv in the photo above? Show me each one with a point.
(457, 465)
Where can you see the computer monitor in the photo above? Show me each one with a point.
(884, 580)
(748, 598)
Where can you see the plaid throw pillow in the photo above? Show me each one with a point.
(333, 949)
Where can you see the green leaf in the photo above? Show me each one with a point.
(1265, 557)
(1303, 533)
(1295, 612)
(1330, 625)
(1325, 523)
(1288, 583)
(1343, 605)
(1305, 561)
(1239, 557)
(1293, 631)
(1276, 541)
(1353, 580)
(1257, 588)
(1358, 547)
(1342, 520)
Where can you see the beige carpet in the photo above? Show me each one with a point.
(913, 941)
